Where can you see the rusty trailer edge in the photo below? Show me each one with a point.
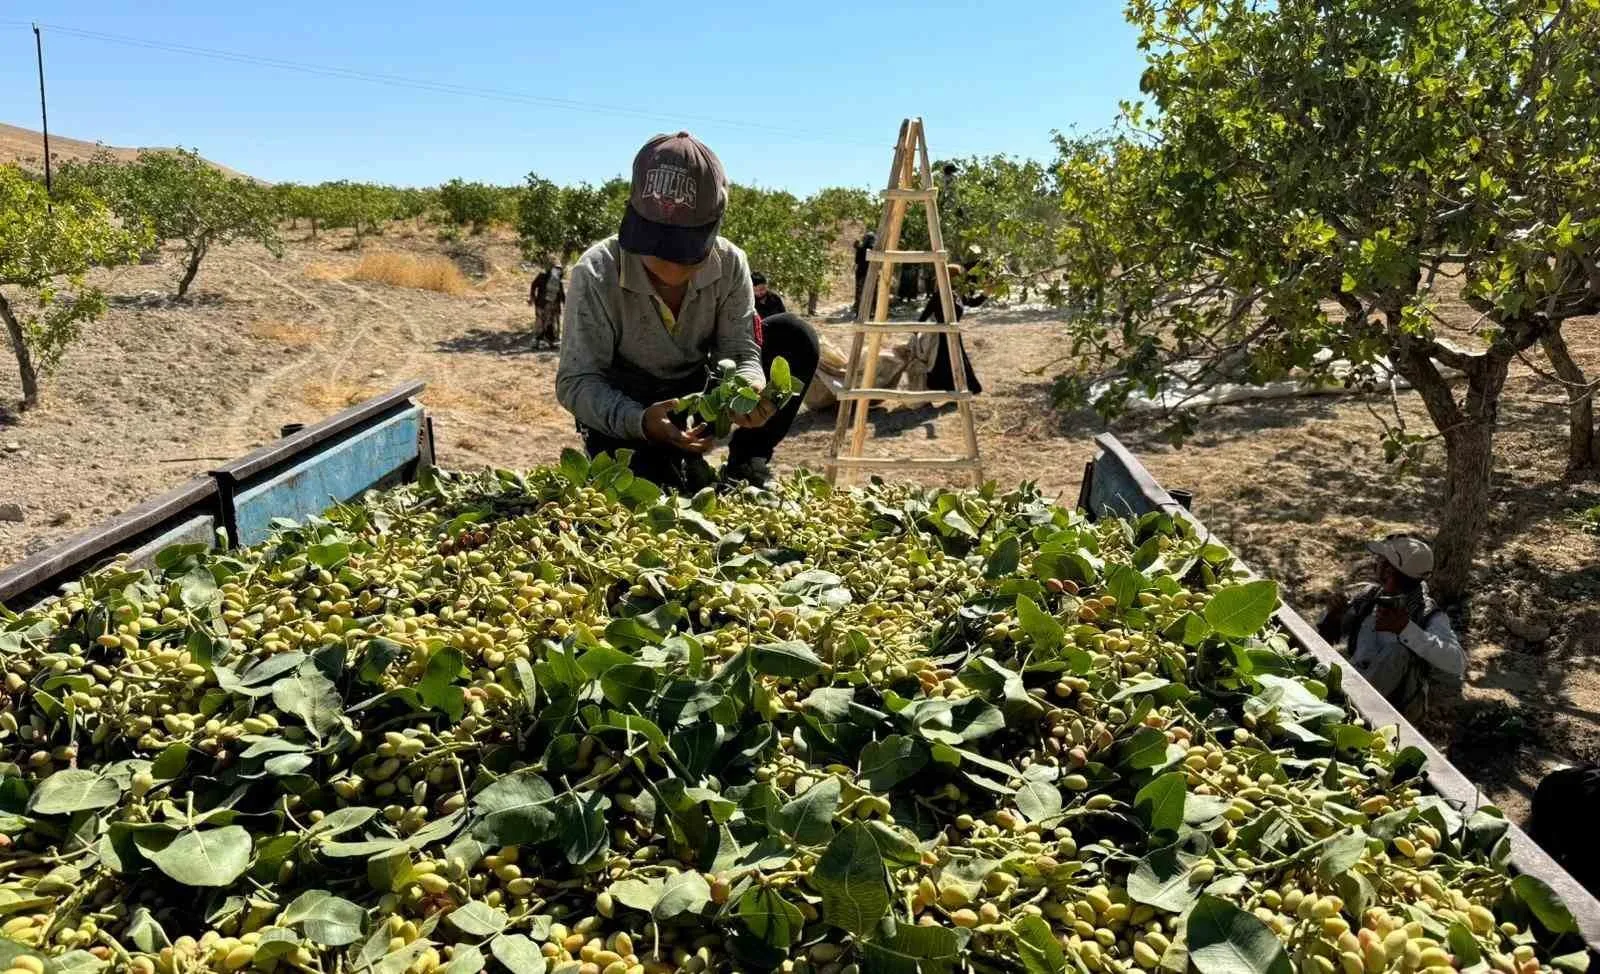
(1116, 482)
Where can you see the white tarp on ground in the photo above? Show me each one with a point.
(1185, 394)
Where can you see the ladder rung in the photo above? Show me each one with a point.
(903, 461)
(898, 327)
(909, 256)
(910, 194)
(905, 395)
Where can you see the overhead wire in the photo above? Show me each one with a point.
(773, 132)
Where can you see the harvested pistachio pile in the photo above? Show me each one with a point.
(558, 722)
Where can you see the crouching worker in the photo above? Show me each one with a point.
(1395, 635)
(648, 312)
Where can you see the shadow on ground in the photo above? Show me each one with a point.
(485, 341)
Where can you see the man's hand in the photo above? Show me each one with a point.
(659, 428)
(765, 410)
(1391, 618)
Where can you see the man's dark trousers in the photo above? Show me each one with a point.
(788, 336)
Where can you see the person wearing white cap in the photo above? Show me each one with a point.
(1395, 635)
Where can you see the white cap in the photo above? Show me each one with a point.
(1405, 554)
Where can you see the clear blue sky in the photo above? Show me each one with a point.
(814, 93)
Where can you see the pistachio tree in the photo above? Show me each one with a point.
(45, 249)
(1316, 179)
(184, 198)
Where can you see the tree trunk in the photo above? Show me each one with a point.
(1468, 433)
(25, 366)
(196, 253)
(811, 303)
(1583, 453)
(313, 228)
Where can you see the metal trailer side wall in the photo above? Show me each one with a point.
(1117, 483)
(381, 441)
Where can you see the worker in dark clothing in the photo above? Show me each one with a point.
(940, 377)
(547, 295)
(768, 303)
(1562, 806)
(863, 247)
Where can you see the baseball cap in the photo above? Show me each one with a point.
(1408, 555)
(676, 200)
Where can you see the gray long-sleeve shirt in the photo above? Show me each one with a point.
(618, 354)
(1382, 656)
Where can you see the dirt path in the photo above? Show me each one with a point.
(156, 391)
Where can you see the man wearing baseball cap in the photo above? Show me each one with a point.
(649, 310)
(1396, 636)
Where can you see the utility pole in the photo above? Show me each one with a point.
(44, 116)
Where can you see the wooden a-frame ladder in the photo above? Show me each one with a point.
(910, 180)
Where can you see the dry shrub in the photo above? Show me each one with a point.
(335, 394)
(322, 271)
(406, 270)
(288, 333)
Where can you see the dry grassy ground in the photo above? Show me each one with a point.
(158, 392)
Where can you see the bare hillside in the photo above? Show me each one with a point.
(26, 147)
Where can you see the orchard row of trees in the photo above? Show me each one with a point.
(1321, 177)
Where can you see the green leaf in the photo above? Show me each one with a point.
(326, 919)
(342, 820)
(809, 817)
(788, 659)
(1038, 801)
(75, 962)
(170, 762)
(580, 823)
(1042, 629)
(575, 467)
(852, 880)
(1224, 939)
(437, 688)
(1005, 557)
(1148, 684)
(914, 949)
(215, 857)
(637, 894)
(1544, 903)
(1160, 803)
(683, 893)
(1189, 629)
(515, 810)
(1464, 946)
(629, 687)
(73, 790)
(477, 919)
(519, 954)
(1146, 749)
(1124, 583)
(780, 375)
(1038, 947)
(1341, 854)
(1240, 611)
(465, 959)
(890, 761)
(1161, 880)
(313, 698)
(770, 917)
